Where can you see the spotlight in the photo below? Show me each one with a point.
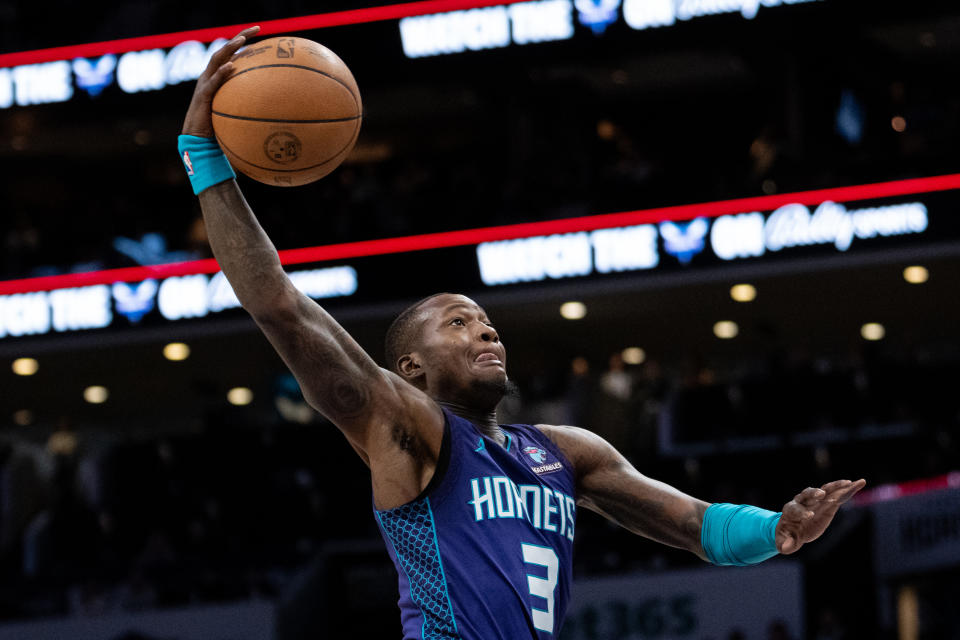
(633, 355)
(916, 274)
(573, 310)
(873, 331)
(176, 351)
(743, 292)
(96, 394)
(726, 329)
(25, 366)
(240, 396)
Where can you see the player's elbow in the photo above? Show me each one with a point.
(275, 306)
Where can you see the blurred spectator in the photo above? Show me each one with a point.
(778, 631)
(613, 414)
(829, 627)
(578, 391)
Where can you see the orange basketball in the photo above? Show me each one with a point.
(289, 113)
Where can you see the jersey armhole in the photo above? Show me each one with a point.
(443, 462)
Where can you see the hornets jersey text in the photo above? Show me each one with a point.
(486, 552)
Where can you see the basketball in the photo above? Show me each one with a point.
(289, 113)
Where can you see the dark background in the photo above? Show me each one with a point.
(169, 493)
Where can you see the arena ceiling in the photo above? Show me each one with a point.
(684, 94)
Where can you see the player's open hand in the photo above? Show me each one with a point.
(808, 515)
(198, 121)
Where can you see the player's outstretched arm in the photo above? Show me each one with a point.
(723, 534)
(608, 484)
(382, 416)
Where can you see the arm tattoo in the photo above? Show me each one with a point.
(334, 372)
(348, 399)
(318, 353)
(610, 485)
(650, 516)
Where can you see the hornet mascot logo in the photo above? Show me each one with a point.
(536, 454)
(94, 77)
(597, 14)
(684, 240)
(134, 302)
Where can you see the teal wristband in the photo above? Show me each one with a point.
(204, 161)
(738, 534)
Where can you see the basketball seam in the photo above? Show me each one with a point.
(296, 66)
(313, 166)
(251, 118)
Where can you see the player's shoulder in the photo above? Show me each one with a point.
(583, 448)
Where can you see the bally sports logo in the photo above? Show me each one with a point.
(540, 457)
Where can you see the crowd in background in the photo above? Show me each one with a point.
(232, 505)
(92, 521)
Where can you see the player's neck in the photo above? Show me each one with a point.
(486, 421)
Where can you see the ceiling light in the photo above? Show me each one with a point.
(573, 310)
(633, 355)
(726, 329)
(176, 351)
(25, 366)
(743, 292)
(240, 396)
(898, 123)
(916, 274)
(873, 331)
(96, 394)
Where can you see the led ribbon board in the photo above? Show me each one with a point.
(808, 224)
(426, 28)
(523, 23)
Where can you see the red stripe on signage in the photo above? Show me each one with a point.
(446, 239)
(267, 27)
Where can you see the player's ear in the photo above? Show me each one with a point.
(410, 367)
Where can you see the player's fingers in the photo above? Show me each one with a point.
(788, 545)
(810, 496)
(830, 487)
(793, 511)
(219, 77)
(225, 52)
(845, 493)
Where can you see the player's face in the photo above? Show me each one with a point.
(461, 350)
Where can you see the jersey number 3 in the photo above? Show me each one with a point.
(542, 587)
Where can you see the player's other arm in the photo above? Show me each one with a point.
(608, 484)
(735, 534)
(378, 412)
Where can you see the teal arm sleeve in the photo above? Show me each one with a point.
(738, 534)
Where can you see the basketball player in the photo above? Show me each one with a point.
(478, 517)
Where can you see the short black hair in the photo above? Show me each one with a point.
(402, 332)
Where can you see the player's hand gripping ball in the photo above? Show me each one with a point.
(289, 113)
